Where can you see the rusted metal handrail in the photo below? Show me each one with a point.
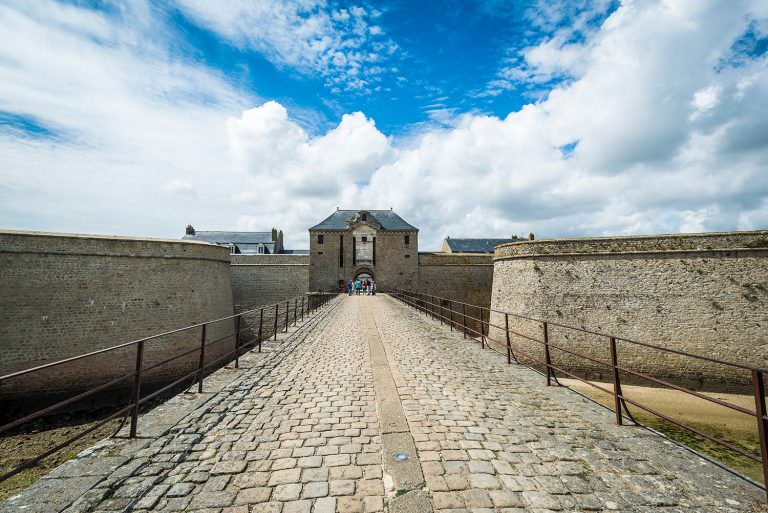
(307, 304)
(427, 303)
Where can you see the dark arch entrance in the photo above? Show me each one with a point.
(364, 274)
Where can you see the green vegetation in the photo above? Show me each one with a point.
(715, 420)
(20, 446)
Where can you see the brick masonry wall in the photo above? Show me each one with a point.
(459, 276)
(65, 295)
(259, 280)
(702, 293)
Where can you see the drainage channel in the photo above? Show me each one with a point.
(403, 476)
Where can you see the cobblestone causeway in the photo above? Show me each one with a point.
(297, 430)
(493, 437)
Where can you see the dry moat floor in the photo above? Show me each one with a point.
(371, 407)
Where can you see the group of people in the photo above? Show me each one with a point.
(364, 286)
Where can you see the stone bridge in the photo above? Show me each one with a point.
(369, 406)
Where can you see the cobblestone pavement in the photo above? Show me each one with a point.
(299, 430)
(492, 437)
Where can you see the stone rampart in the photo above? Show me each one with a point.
(259, 280)
(702, 293)
(65, 295)
(465, 277)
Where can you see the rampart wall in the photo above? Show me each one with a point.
(65, 295)
(702, 293)
(462, 277)
(259, 280)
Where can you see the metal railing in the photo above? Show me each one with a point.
(272, 319)
(466, 317)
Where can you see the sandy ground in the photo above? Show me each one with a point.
(713, 419)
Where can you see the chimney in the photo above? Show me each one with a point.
(530, 236)
(190, 230)
(274, 234)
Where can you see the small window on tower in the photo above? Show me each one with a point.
(365, 239)
(319, 239)
(407, 239)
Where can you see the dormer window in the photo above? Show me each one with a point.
(364, 216)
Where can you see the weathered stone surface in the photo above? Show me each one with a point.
(487, 437)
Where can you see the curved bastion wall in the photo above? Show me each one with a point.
(705, 294)
(65, 295)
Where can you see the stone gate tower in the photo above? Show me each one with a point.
(350, 243)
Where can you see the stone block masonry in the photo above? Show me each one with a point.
(259, 280)
(65, 295)
(458, 276)
(706, 294)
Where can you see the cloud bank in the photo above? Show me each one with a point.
(669, 130)
(661, 126)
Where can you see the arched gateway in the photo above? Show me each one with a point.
(370, 244)
(364, 274)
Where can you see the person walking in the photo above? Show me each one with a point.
(350, 286)
(358, 286)
(373, 288)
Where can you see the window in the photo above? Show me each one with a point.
(407, 256)
(407, 239)
(319, 239)
(365, 217)
(341, 251)
(365, 239)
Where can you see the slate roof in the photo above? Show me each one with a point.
(387, 218)
(232, 237)
(476, 245)
(295, 252)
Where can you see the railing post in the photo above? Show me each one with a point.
(137, 388)
(464, 318)
(277, 311)
(482, 330)
(287, 313)
(440, 312)
(509, 342)
(201, 366)
(547, 358)
(295, 310)
(762, 427)
(237, 342)
(302, 308)
(450, 313)
(616, 381)
(261, 325)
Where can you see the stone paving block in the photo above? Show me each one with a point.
(342, 487)
(229, 467)
(300, 422)
(253, 495)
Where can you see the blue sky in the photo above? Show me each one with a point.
(488, 118)
(444, 56)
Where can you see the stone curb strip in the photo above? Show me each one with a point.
(403, 476)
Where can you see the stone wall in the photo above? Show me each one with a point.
(259, 280)
(462, 277)
(65, 295)
(702, 293)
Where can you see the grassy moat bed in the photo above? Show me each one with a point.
(40, 436)
(720, 422)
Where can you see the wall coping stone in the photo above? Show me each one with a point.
(77, 244)
(712, 242)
